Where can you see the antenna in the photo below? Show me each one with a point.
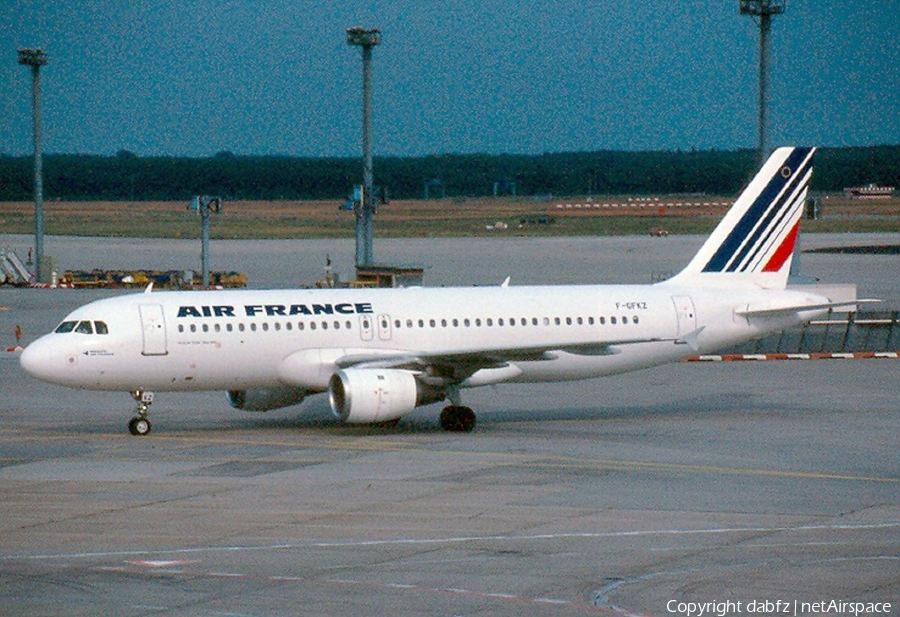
(764, 9)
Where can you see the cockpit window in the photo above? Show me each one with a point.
(82, 327)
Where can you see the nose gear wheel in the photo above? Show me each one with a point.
(139, 424)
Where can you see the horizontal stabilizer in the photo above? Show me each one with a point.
(770, 311)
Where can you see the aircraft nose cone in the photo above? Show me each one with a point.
(35, 360)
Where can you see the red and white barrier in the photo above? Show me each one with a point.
(740, 357)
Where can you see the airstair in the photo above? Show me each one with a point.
(13, 270)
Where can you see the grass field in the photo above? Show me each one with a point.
(413, 218)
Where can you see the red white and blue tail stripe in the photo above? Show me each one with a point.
(755, 241)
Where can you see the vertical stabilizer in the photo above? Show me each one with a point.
(755, 241)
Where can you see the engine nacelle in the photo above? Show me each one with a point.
(266, 398)
(360, 396)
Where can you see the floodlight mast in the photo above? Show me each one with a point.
(365, 39)
(36, 58)
(764, 9)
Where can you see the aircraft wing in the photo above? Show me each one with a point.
(457, 366)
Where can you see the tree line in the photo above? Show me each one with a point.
(127, 176)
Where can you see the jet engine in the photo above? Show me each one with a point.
(364, 395)
(266, 398)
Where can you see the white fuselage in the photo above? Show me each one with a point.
(235, 340)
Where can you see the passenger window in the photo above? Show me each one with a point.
(181, 327)
(206, 327)
(634, 319)
(84, 327)
(100, 327)
(66, 326)
(612, 320)
(624, 320)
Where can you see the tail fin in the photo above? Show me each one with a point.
(755, 241)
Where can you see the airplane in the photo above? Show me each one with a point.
(381, 353)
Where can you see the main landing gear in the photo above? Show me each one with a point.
(139, 424)
(457, 419)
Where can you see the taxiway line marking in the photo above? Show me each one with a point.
(458, 540)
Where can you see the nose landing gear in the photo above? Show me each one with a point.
(139, 424)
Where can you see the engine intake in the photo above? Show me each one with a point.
(360, 396)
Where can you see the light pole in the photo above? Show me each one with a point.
(204, 205)
(36, 58)
(764, 9)
(365, 208)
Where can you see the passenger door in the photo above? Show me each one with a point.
(154, 330)
(685, 313)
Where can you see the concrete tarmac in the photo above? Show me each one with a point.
(750, 483)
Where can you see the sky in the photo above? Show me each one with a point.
(276, 77)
